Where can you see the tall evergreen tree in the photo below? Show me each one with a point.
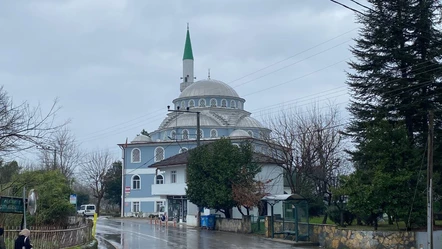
(395, 78)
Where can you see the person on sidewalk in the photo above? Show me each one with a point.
(23, 241)
(2, 239)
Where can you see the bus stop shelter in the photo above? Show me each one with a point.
(294, 218)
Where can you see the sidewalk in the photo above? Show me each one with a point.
(293, 243)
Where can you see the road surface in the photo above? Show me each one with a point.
(139, 234)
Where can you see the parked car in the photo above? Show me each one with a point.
(87, 210)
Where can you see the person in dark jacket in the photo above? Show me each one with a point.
(23, 241)
(2, 239)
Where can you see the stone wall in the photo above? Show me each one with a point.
(243, 225)
(332, 237)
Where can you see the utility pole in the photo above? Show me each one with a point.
(430, 181)
(198, 143)
(55, 159)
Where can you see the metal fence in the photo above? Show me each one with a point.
(52, 237)
(258, 224)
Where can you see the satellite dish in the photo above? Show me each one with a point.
(32, 202)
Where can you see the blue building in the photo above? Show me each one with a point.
(222, 114)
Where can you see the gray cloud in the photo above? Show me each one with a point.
(112, 61)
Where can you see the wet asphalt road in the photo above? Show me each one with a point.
(139, 234)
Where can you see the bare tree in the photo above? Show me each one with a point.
(310, 146)
(94, 173)
(22, 127)
(62, 153)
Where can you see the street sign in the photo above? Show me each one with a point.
(127, 190)
(11, 205)
(73, 199)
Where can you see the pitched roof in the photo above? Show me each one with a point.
(182, 159)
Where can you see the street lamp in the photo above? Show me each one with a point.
(198, 142)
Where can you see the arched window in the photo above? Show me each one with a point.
(213, 103)
(159, 179)
(136, 156)
(159, 154)
(232, 104)
(183, 105)
(201, 133)
(202, 103)
(185, 135)
(250, 133)
(213, 133)
(136, 182)
(173, 134)
(184, 149)
(191, 103)
(235, 144)
(223, 103)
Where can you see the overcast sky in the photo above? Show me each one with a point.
(115, 65)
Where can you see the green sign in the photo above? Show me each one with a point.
(11, 205)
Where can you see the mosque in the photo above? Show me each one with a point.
(155, 166)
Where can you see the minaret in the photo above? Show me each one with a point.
(187, 63)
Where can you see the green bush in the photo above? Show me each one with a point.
(334, 214)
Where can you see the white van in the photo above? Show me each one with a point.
(87, 210)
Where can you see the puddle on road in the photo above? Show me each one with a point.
(112, 237)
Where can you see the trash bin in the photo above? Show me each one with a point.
(211, 221)
(204, 220)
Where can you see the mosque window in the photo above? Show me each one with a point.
(136, 156)
(213, 102)
(250, 133)
(202, 103)
(173, 135)
(213, 133)
(185, 134)
(136, 182)
(183, 105)
(191, 103)
(184, 149)
(159, 154)
(159, 179)
(235, 144)
(223, 103)
(232, 104)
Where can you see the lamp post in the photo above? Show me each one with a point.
(198, 143)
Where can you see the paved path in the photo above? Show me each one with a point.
(139, 234)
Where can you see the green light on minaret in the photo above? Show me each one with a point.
(188, 54)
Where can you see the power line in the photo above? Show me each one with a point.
(347, 7)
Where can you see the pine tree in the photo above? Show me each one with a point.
(396, 78)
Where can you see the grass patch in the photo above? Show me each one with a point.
(318, 220)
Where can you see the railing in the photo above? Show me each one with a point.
(52, 237)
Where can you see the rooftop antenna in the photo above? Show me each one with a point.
(209, 74)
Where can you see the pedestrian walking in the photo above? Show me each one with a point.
(23, 241)
(2, 239)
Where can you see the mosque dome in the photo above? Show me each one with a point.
(208, 87)
(189, 119)
(141, 139)
(249, 122)
(239, 133)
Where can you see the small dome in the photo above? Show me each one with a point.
(141, 139)
(208, 87)
(239, 133)
(249, 122)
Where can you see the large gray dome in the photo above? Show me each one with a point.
(249, 122)
(208, 87)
